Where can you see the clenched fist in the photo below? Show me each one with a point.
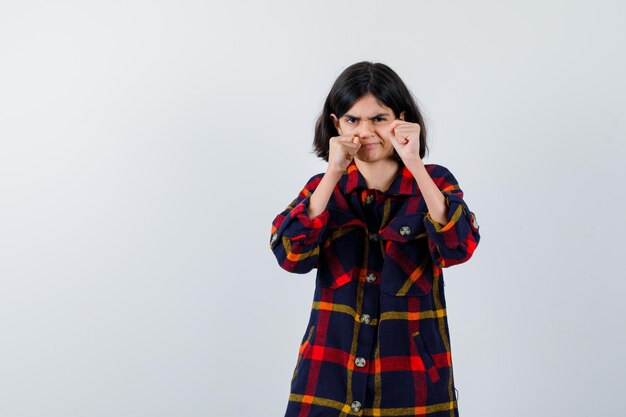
(342, 150)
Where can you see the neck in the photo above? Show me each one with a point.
(379, 174)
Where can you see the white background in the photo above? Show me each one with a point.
(146, 146)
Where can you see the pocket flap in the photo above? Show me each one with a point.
(405, 228)
(407, 268)
(339, 256)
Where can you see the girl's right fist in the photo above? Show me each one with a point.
(341, 151)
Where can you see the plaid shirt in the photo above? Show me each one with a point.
(377, 342)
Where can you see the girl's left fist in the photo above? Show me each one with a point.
(405, 137)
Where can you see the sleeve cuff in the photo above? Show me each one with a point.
(299, 226)
(454, 212)
(447, 233)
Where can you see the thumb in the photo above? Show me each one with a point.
(392, 133)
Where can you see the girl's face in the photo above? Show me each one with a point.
(369, 120)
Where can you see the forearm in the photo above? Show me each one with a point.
(320, 197)
(435, 200)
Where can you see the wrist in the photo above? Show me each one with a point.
(334, 173)
(414, 165)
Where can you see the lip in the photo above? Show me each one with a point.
(370, 145)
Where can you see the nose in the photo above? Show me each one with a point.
(366, 128)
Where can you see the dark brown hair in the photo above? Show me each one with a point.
(357, 81)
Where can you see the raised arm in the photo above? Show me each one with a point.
(297, 231)
(454, 241)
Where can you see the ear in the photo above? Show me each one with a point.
(401, 116)
(335, 122)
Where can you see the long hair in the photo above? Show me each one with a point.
(353, 83)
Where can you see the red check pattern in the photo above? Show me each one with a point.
(377, 342)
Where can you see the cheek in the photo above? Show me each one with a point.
(383, 132)
(346, 128)
(386, 138)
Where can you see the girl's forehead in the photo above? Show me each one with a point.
(369, 102)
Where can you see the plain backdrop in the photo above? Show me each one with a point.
(146, 147)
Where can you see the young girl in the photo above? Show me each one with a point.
(379, 225)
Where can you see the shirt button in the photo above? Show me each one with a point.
(373, 236)
(371, 277)
(365, 318)
(356, 406)
(360, 362)
(369, 199)
(405, 230)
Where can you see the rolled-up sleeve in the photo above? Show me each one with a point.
(454, 242)
(295, 237)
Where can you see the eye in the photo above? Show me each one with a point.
(349, 120)
(380, 119)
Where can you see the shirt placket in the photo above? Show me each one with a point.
(372, 203)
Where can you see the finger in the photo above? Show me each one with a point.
(404, 128)
(397, 124)
(398, 139)
(350, 153)
(352, 147)
(400, 132)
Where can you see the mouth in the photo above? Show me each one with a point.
(370, 145)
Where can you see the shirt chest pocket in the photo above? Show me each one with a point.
(407, 267)
(339, 257)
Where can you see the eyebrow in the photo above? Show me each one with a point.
(373, 117)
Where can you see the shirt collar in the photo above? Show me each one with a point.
(403, 182)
